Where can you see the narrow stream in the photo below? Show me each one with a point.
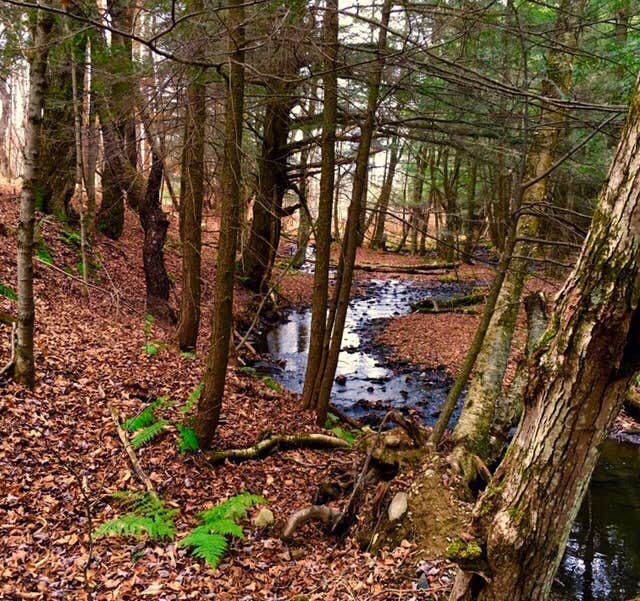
(602, 558)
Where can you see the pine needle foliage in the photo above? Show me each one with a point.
(209, 540)
(147, 514)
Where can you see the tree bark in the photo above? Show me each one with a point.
(24, 368)
(378, 239)
(210, 402)
(583, 366)
(155, 224)
(191, 197)
(325, 203)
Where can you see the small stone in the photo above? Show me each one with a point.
(398, 506)
(423, 583)
(264, 518)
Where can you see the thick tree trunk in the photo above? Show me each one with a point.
(325, 202)
(260, 253)
(24, 369)
(191, 197)
(155, 224)
(210, 401)
(583, 366)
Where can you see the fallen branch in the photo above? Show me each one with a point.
(280, 442)
(413, 269)
(137, 468)
(320, 513)
(344, 418)
(9, 365)
(457, 303)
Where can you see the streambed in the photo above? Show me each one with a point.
(602, 558)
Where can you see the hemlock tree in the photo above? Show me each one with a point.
(580, 371)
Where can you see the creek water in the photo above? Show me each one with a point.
(602, 558)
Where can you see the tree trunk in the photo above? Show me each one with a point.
(191, 196)
(583, 366)
(340, 304)
(24, 369)
(325, 201)
(379, 240)
(210, 401)
(260, 253)
(472, 431)
(155, 224)
(469, 224)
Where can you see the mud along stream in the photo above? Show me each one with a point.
(602, 559)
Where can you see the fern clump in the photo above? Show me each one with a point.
(146, 425)
(149, 433)
(209, 540)
(147, 514)
(188, 441)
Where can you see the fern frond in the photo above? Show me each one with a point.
(193, 397)
(210, 547)
(133, 525)
(142, 420)
(234, 508)
(188, 442)
(226, 527)
(148, 433)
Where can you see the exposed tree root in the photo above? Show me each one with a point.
(278, 443)
(412, 427)
(320, 513)
(475, 474)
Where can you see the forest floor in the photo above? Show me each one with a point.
(61, 458)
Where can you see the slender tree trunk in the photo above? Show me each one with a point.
(325, 202)
(24, 370)
(378, 240)
(210, 401)
(467, 252)
(583, 366)
(191, 197)
(304, 224)
(340, 304)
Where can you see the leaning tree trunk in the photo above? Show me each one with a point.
(24, 371)
(471, 434)
(325, 204)
(583, 366)
(210, 401)
(191, 196)
(155, 224)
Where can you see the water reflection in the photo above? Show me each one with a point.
(602, 560)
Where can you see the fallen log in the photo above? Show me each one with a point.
(445, 305)
(411, 269)
(279, 442)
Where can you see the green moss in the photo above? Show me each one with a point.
(460, 551)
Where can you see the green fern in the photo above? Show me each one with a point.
(142, 420)
(148, 433)
(8, 292)
(209, 540)
(271, 383)
(193, 397)
(188, 442)
(210, 547)
(147, 515)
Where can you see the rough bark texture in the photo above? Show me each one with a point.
(583, 366)
(472, 431)
(24, 370)
(210, 401)
(325, 204)
(155, 224)
(191, 197)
